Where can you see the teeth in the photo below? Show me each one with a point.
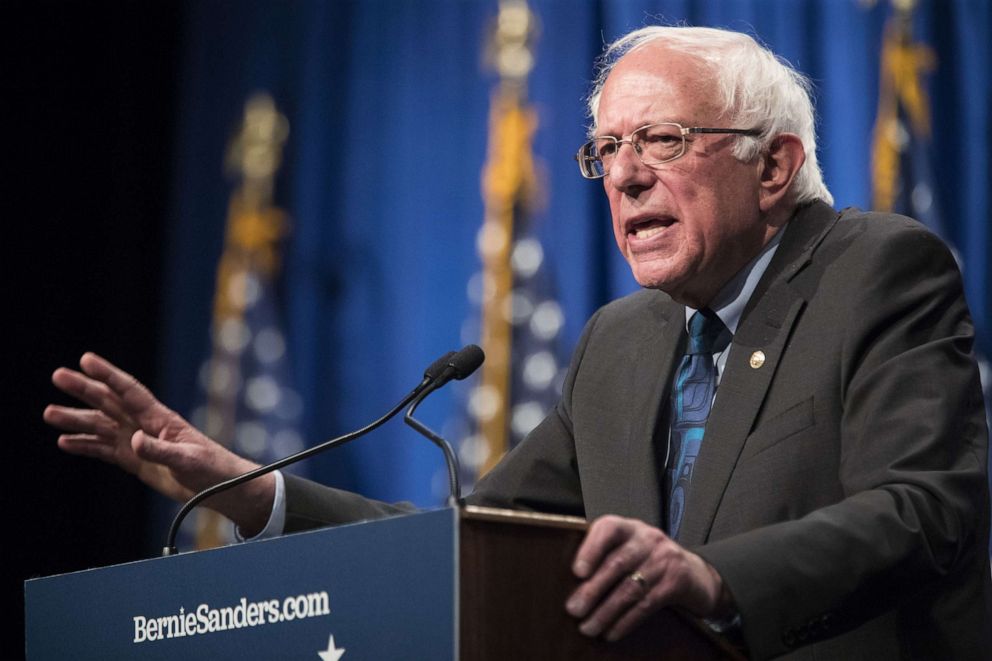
(648, 232)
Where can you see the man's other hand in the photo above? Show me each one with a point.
(629, 570)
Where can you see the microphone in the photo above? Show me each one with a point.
(435, 369)
(458, 366)
(442, 370)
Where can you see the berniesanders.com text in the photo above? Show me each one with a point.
(206, 619)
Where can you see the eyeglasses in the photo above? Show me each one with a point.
(654, 144)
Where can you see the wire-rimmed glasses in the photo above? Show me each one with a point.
(654, 144)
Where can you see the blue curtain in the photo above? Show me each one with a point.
(388, 103)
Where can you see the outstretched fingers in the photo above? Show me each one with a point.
(88, 445)
(83, 421)
(131, 396)
(127, 426)
(89, 391)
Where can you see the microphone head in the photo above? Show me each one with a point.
(438, 366)
(466, 361)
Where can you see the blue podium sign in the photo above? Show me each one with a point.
(382, 590)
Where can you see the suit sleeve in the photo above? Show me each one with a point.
(540, 474)
(311, 505)
(913, 517)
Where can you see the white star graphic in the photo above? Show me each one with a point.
(332, 653)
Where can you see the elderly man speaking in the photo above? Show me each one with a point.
(783, 433)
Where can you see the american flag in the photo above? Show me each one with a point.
(517, 318)
(249, 403)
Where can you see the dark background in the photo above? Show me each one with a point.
(90, 95)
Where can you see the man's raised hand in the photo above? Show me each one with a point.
(127, 426)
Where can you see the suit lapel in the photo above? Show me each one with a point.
(765, 327)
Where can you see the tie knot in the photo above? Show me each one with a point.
(707, 334)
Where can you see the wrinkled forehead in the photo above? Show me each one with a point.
(654, 84)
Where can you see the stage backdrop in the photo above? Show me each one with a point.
(388, 102)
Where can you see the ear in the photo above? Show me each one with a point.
(778, 166)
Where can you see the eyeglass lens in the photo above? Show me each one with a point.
(654, 144)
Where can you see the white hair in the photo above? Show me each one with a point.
(756, 89)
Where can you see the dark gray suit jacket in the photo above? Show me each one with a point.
(841, 489)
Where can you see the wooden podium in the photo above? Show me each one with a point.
(516, 577)
(470, 584)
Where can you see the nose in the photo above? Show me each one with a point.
(627, 173)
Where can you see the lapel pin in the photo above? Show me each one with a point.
(757, 359)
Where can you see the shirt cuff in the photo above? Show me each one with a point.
(730, 628)
(276, 524)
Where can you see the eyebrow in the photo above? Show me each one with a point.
(681, 123)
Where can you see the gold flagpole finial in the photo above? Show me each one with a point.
(512, 45)
(255, 152)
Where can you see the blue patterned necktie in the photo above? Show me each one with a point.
(692, 397)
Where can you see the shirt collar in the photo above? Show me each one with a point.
(729, 302)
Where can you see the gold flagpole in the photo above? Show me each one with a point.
(507, 186)
(254, 226)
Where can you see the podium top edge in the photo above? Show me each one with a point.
(526, 518)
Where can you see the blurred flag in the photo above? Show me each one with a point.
(902, 175)
(520, 317)
(902, 179)
(249, 404)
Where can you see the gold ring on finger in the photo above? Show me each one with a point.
(638, 578)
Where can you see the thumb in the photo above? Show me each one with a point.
(153, 449)
(159, 465)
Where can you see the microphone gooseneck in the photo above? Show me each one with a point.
(458, 367)
(437, 374)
